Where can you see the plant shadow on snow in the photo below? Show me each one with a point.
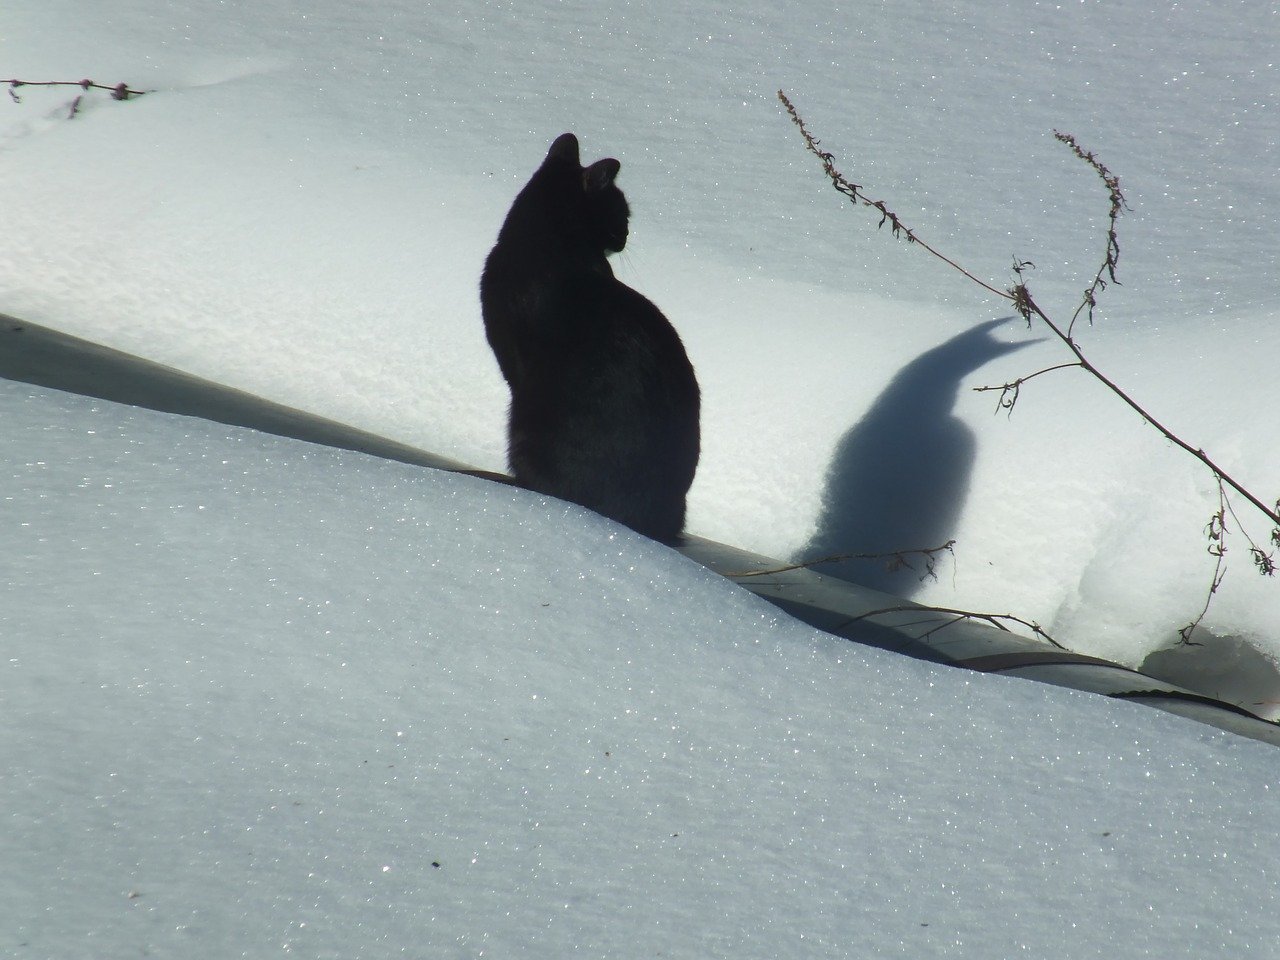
(899, 477)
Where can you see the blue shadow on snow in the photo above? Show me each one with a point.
(899, 477)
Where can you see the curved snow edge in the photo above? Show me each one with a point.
(38, 355)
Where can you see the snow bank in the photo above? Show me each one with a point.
(262, 697)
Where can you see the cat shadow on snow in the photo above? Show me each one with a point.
(899, 477)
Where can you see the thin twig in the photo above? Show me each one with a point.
(119, 91)
(1272, 514)
(1216, 531)
(1264, 561)
(1026, 305)
(994, 619)
(854, 192)
(1009, 391)
(1112, 258)
(896, 558)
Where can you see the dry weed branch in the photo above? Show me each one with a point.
(1216, 532)
(120, 91)
(895, 560)
(997, 620)
(854, 192)
(1026, 306)
(1112, 258)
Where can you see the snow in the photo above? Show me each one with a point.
(254, 689)
(260, 689)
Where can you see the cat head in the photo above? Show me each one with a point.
(589, 203)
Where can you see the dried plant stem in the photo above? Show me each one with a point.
(1112, 258)
(854, 192)
(1216, 531)
(996, 620)
(1273, 514)
(896, 558)
(119, 91)
(1009, 391)
(1021, 298)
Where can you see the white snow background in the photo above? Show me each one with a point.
(254, 691)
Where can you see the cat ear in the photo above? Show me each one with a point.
(565, 148)
(600, 174)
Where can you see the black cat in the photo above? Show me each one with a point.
(604, 402)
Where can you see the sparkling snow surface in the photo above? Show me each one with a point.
(262, 698)
(253, 690)
(302, 206)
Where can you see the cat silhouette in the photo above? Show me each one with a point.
(604, 402)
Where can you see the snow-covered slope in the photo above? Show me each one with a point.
(262, 697)
(301, 207)
(254, 690)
